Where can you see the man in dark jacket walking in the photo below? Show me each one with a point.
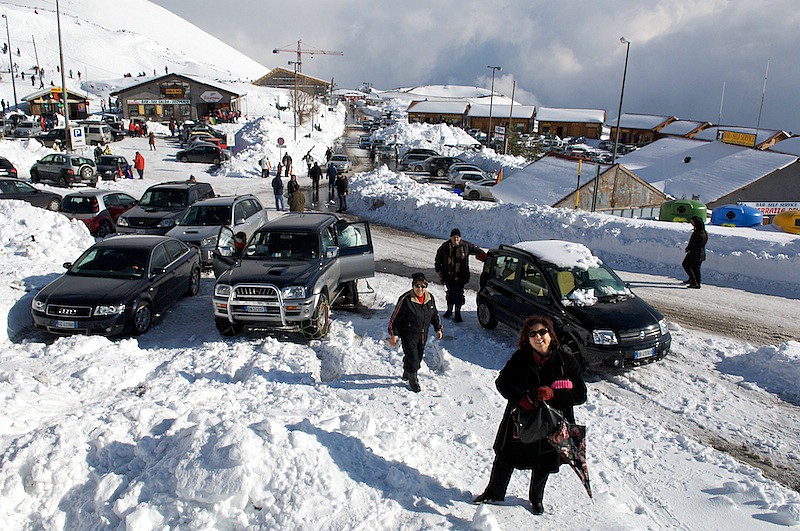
(332, 172)
(452, 264)
(695, 252)
(316, 174)
(277, 189)
(414, 313)
(342, 190)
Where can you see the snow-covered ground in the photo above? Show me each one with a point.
(184, 428)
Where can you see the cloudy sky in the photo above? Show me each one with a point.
(565, 54)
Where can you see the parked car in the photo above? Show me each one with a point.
(200, 225)
(49, 138)
(98, 209)
(161, 206)
(118, 131)
(200, 140)
(118, 286)
(7, 169)
(341, 162)
(108, 166)
(98, 133)
(203, 153)
(290, 272)
(464, 177)
(479, 190)
(459, 167)
(414, 161)
(597, 316)
(366, 125)
(64, 170)
(11, 188)
(28, 129)
(422, 151)
(438, 166)
(364, 141)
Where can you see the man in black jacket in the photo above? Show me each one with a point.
(452, 264)
(415, 312)
(316, 174)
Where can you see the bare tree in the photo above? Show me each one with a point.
(304, 104)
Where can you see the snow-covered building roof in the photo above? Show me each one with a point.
(642, 121)
(683, 167)
(438, 107)
(447, 92)
(197, 79)
(544, 182)
(683, 127)
(501, 111)
(41, 92)
(790, 146)
(553, 114)
(763, 136)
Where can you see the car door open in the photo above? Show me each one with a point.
(355, 250)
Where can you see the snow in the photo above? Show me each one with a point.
(569, 255)
(714, 170)
(443, 107)
(501, 110)
(553, 114)
(790, 146)
(639, 121)
(181, 428)
(680, 127)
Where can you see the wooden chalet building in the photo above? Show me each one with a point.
(570, 122)
(639, 129)
(743, 136)
(285, 79)
(48, 101)
(521, 120)
(438, 112)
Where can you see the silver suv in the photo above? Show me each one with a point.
(64, 170)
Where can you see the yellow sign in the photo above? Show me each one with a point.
(738, 139)
(173, 91)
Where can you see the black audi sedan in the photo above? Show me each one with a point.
(118, 286)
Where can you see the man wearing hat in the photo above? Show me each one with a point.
(414, 313)
(452, 264)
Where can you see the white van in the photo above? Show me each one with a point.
(97, 133)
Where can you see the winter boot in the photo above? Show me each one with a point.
(536, 493)
(405, 375)
(413, 382)
(458, 318)
(449, 311)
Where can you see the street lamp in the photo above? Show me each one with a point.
(627, 44)
(491, 102)
(295, 64)
(11, 62)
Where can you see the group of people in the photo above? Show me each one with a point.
(338, 183)
(538, 371)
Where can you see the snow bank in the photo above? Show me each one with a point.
(774, 369)
(759, 260)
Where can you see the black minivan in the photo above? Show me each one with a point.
(596, 315)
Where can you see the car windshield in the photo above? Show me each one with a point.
(274, 244)
(584, 286)
(164, 199)
(207, 215)
(78, 204)
(111, 262)
(339, 158)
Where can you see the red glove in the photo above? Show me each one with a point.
(526, 403)
(544, 394)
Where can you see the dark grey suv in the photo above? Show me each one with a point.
(597, 316)
(64, 170)
(161, 206)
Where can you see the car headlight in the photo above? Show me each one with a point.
(110, 309)
(39, 306)
(122, 222)
(222, 290)
(604, 337)
(662, 327)
(169, 222)
(207, 242)
(294, 292)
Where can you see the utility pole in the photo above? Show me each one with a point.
(295, 63)
(510, 118)
(67, 132)
(35, 53)
(491, 102)
(11, 62)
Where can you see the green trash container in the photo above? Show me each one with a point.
(680, 210)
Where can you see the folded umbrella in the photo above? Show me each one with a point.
(570, 443)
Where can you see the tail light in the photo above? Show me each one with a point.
(13, 171)
(70, 172)
(95, 205)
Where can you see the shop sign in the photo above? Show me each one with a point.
(771, 208)
(211, 96)
(159, 102)
(736, 138)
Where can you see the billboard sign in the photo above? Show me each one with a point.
(211, 96)
(771, 208)
(77, 136)
(737, 138)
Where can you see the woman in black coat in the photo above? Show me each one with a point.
(695, 252)
(539, 371)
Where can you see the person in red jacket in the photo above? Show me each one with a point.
(138, 163)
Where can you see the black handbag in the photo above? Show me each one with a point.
(532, 426)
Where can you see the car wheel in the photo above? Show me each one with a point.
(54, 205)
(320, 323)
(440, 172)
(104, 230)
(216, 161)
(474, 194)
(62, 182)
(194, 283)
(86, 172)
(227, 328)
(486, 315)
(183, 158)
(34, 176)
(142, 318)
(418, 168)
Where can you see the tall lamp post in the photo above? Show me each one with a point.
(491, 102)
(296, 64)
(627, 44)
(64, 99)
(11, 62)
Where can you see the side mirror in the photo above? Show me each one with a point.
(331, 252)
(67, 265)
(239, 221)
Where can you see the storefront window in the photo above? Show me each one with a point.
(186, 111)
(149, 110)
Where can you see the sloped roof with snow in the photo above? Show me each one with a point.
(552, 114)
(715, 169)
(544, 182)
(501, 111)
(448, 91)
(790, 146)
(681, 127)
(41, 92)
(135, 82)
(762, 136)
(639, 121)
(438, 107)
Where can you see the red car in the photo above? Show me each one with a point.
(99, 209)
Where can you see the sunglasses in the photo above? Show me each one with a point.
(420, 286)
(541, 332)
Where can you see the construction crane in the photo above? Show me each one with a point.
(307, 50)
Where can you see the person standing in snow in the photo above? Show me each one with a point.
(539, 371)
(342, 189)
(277, 189)
(287, 164)
(695, 252)
(138, 163)
(297, 201)
(414, 314)
(331, 181)
(316, 174)
(265, 166)
(152, 140)
(452, 264)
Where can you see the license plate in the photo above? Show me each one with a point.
(141, 231)
(254, 309)
(646, 353)
(66, 324)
